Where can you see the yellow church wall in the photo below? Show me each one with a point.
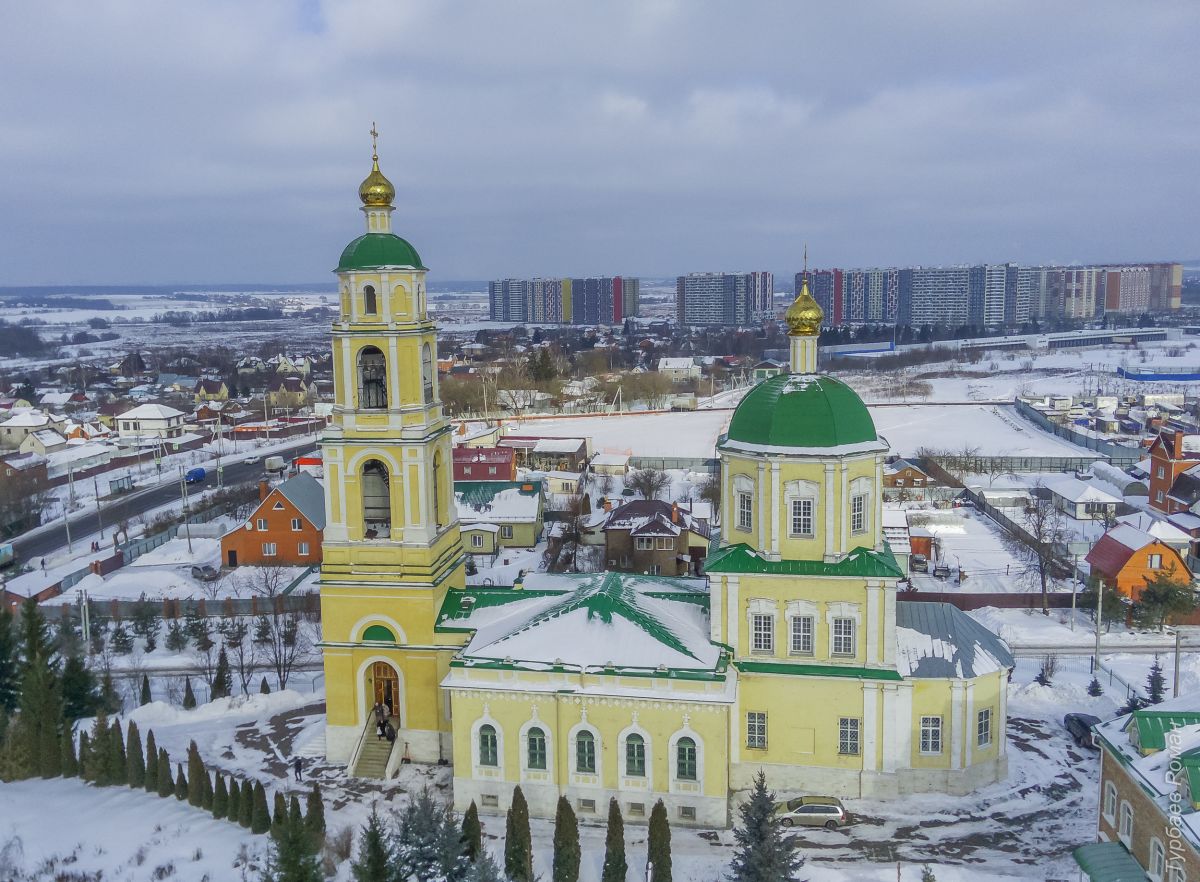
(803, 715)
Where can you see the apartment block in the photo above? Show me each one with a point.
(724, 298)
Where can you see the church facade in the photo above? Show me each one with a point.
(793, 654)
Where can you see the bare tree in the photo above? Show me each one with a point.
(242, 651)
(649, 482)
(278, 633)
(1038, 542)
(23, 497)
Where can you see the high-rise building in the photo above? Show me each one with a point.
(607, 300)
(827, 290)
(1125, 289)
(507, 300)
(545, 300)
(1166, 286)
(724, 298)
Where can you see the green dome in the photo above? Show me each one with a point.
(801, 411)
(378, 249)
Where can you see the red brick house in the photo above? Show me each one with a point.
(656, 537)
(285, 530)
(1173, 456)
(485, 464)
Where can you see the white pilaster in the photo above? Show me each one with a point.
(969, 724)
(844, 517)
(873, 623)
(804, 354)
(732, 619)
(761, 545)
(877, 524)
(827, 502)
(1002, 722)
(954, 721)
(870, 723)
(775, 509)
(889, 624)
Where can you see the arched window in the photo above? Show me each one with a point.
(427, 373)
(379, 633)
(685, 759)
(372, 379)
(585, 753)
(537, 748)
(376, 499)
(369, 300)
(635, 756)
(489, 753)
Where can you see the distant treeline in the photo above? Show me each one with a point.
(246, 314)
(18, 340)
(59, 301)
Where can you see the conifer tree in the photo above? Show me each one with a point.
(189, 697)
(615, 866)
(375, 854)
(658, 846)
(97, 758)
(135, 761)
(263, 688)
(429, 842)
(279, 815)
(314, 819)
(246, 805)
(1094, 688)
(518, 843)
(292, 857)
(15, 761)
(70, 765)
(40, 700)
(927, 874)
(206, 793)
(260, 818)
(181, 784)
(762, 853)
(222, 684)
(472, 833)
(566, 843)
(10, 677)
(194, 773)
(220, 806)
(109, 698)
(150, 780)
(82, 756)
(80, 698)
(233, 810)
(1156, 682)
(166, 784)
(485, 869)
(118, 763)
(145, 696)
(294, 816)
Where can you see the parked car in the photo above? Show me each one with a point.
(812, 811)
(275, 464)
(206, 573)
(1080, 727)
(255, 458)
(194, 476)
(941, 571)
(918, 563)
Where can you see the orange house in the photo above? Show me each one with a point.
(285, 529)
(1126, 557)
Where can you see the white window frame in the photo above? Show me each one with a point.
(665, 543)
(745, 512)
(261, 525)
(1109, 808)
(858, 513)
(849, 736)
(506, 531)
(756, 730)
(476, 540)
(270, 549)
(931, 736)
(836, 639)
(1156, 867)
(983, 728)
(797, 637)
(802, 518)
(297, 526)
(302, 549)
(644, 543)
(1154, 561)
(762, 639)
(1125, 830)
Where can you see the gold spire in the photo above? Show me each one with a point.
(804, 316)
(376, 189)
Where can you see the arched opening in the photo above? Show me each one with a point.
(635, 756)
(379, 634)
(685, 759)
(383, 687)
(537, 748)
(489, 748)
(376, 500)
(427, 373)
(369, 300)
(437, 489)
(372, 379)
(585, 753)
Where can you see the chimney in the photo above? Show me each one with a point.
(264, 489)
(1178, 445)
(674, 512)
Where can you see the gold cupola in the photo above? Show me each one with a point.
(804, 316)
(375, 188)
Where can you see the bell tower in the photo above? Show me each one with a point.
(391, 546)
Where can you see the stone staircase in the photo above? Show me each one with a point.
(373, 758)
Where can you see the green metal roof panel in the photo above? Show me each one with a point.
(378, 249)
(480, 494)
(1153, 726)
(1108, 862)
(797, 670)
(802, 410)
(859, 563)
(459, 603)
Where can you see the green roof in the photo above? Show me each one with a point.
(796, 670)
(801, 410)
(859, 563)
(481, 494)
(1108, 862)
(461, 602)
(1153, 726)
(378, 249)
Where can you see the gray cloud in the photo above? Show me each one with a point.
(222, 141)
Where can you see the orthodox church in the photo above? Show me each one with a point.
(793, 654)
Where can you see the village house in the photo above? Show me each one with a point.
(656, 538)
(21, 424)
(1174, 477)
(209, 389)
(288, 393)
(284, 530)
(679, 369)
(1125, 557)
(1083, 500)
(613, 464)
(905, 473)
(485, 464)
(151, 420)
(514, 508)
(43, 441)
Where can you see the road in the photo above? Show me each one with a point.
(43, 542)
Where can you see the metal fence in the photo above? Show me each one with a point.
(1118, 454)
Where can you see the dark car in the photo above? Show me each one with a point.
(1080, 727)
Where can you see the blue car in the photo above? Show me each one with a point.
(195, 476)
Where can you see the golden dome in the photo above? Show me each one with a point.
(376, 189)
(804, 316)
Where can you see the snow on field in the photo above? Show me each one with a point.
(969, 542)
(118, 832)
(1028, 627)
(681, 434)
(510, 563)
(176, 553)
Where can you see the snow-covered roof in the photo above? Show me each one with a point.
(558, 445)
(76, 452)
(675, 364)
(654, 517)
(503, 502)
(1130, 537)
(935, 640)
(151, 411)
(610, 459)
(25, 419)
(1159, 528)
(1075, 490)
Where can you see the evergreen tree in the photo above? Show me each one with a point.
(181, 784)
(135, 761)
(233, 808)
(518, 843)
(10, 680)
(314, 820)
(165, 782)
(1156, 682)
(222, 684)
(485, 869)
(84, 752)
(472, 833)
(658, 846)
(375, 854)
(220, 806)
(429, 842)
(177, 640)
(279, 815)
(615, 866)
(110, 699)
(41, 717)
(80, 698)
(118, 763)
(150, 780)
(70, 765)
(16, 763)
(189, 697)
(194, 773)
(263, 688)
(292, 857)
(566, 843)
(34, 635)
(121, 640)
(927, 874)
(762, 852)
(260, 817)
(246, 805)
(206, 793)
(294, 816)
(1095, 689)
(97, 758)
(145, 696)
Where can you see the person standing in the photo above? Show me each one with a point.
(299, 767)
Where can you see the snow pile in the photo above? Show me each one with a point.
(175, 553)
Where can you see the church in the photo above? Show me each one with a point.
(793, 654)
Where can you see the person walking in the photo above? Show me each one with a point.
(380, 713)
(299, 767)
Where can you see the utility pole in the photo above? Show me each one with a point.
(219, 469)
(187, 527)
(85, 616)
(266, 419)
(99, 519)
(1074, 589)
(1099, 619)
(1175, 679)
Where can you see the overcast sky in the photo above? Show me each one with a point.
(207, 141)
